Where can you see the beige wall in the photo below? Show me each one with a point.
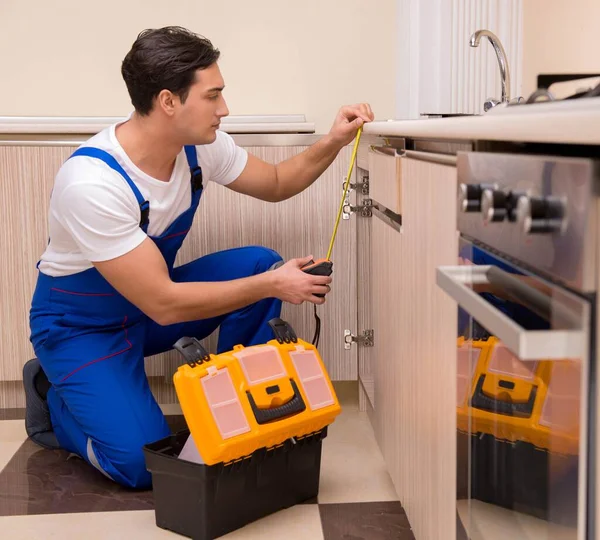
(559, 36)
(62, 58)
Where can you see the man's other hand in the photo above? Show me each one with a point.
(295, 286)
(347, 122)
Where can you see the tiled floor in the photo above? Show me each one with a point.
(47, 494)
(485, 521)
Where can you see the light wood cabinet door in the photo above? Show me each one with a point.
(295, 228)
(413, 358)
(364, 268)
(26, 180)
(298, 227)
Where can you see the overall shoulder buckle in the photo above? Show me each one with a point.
(196, 178)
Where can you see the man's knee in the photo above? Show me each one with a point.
(266, 258)
(128, 466)
(134, 470)
(123, 460)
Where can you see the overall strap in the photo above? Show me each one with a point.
(113, 164)
(195, 169)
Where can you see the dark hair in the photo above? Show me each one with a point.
(165, 58)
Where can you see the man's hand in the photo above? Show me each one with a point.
(295, 286)
(347, 122)
(276, 183)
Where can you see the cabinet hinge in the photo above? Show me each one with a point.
(366, 338)
(362, 187)
(363, 210)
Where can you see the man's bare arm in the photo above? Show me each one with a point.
(275, 183)
(142, 277)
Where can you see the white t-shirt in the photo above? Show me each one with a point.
(94, 215)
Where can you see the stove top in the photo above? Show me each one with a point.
(562, 87)
(562, 106)
(556, 93)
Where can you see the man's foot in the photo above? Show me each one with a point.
(37, 416)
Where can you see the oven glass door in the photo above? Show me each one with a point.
(521, 401)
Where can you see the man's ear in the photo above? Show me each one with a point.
(167, 101)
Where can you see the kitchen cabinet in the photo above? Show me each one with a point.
(407, 378)
(295, 228)
(26, 178)
(384, 282)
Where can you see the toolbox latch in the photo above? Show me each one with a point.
(284, 333)
(193, 352)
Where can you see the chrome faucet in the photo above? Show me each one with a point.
(502, 61)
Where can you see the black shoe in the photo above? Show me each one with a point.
(37, 416)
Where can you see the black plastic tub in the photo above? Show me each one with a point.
(204, 502)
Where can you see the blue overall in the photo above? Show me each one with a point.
(91, 342)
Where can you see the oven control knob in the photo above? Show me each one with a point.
(494, 205)
(539, 215)
(469, 196)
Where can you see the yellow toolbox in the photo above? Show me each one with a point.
(253, 397)
(535, 402)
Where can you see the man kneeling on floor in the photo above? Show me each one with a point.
(108, 293)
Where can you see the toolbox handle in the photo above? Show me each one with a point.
(294, 406)
(485, 403)
(283, 331)
(192, 350)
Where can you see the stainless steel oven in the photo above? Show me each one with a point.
(525, 284)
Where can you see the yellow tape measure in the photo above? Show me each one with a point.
(346, 185)
(324, 267)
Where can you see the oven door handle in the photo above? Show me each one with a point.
(525, 344)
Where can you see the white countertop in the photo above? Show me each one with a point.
(90, 125)
(571, 122)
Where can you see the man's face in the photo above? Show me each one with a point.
(199, 117)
